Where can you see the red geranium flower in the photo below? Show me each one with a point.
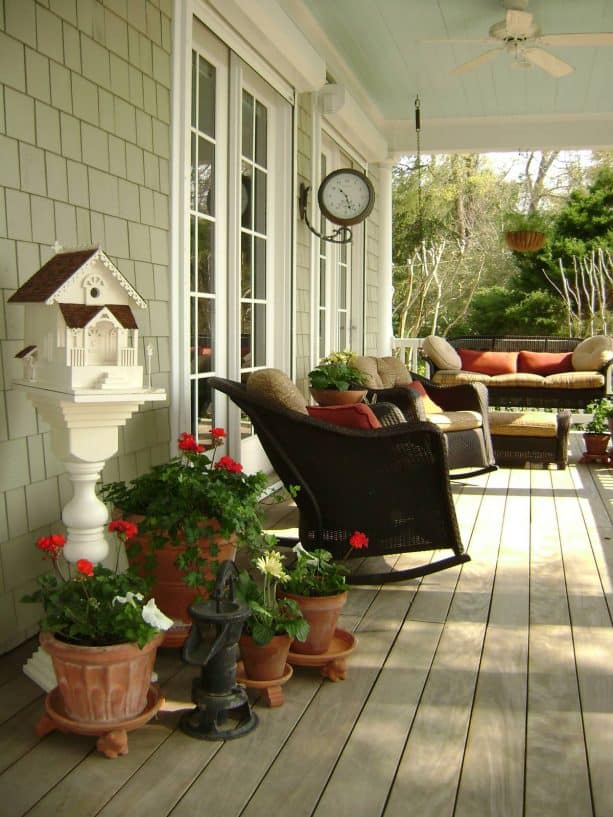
(218, 433)
(358, 540)
(187, 442)
(125, 530)
(229, 464)
(85, 567)
(51, 545)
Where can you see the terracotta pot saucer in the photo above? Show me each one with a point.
(273, 694)
(113, 738)
(333, 662)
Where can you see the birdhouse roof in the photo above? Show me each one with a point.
(46, 284)
(25, 352)
(78, 316)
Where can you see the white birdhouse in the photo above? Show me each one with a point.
(79, 325)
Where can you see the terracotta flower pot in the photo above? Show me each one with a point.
(322, 613)
(333, 397)
(266, 662)
(101, 685)
(596, 443)
(171, 594)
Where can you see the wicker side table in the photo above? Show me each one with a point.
(530, 436)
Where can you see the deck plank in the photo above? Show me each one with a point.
(430, 767)
(492, 779)
(593, 643)
(557, 779)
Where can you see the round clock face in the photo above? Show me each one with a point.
(346, 196)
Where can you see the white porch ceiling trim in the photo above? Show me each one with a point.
(353, 124)
(484, 134)
(277, 39)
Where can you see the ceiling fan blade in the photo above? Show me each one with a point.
(597, 38)
(543, 59)
(519, 23)
(486, 56)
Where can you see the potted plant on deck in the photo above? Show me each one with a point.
(102, 636)
(318, 586)
(274, 622)
(336, 381)
(596, 434)
(525, 232)
(192, 512)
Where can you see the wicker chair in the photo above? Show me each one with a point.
(391, 483)
(469, 449)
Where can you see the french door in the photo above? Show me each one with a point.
(239, 236)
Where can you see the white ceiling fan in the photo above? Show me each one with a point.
(522, 37)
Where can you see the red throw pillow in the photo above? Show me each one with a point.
(474, 360)
(430, 406)
(357, 415)
(545, 363)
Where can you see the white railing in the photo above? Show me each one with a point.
(409, 352)
(78, 357)
(127, 357)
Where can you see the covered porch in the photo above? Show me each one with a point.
(484, 690)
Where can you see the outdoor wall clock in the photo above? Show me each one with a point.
(345, 197)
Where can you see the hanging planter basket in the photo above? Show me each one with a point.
(524, 240)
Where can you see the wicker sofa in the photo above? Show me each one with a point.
(582, 369)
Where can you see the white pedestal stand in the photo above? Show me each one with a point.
(84, 434)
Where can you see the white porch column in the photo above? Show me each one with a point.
(384, 196)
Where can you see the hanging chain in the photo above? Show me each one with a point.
(420, 219)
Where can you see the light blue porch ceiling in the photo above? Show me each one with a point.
(379, 50)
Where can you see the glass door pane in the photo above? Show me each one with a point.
(203, 223)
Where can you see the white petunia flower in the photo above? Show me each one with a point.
(271, 564)
(155, 617)
(300, 551)
(128, 598)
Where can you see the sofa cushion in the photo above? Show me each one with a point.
(429, 405)
(441, 353)
(593, 353)
(475, 360)
(574, 380)
(356, 415)
(544, 363)
(523, 423)
(518, 379)
(276, 387)
(456, 420)
(451, 377)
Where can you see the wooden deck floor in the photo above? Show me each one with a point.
(485, 691)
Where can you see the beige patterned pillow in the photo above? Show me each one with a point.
(276, 387)
(593, 353)
(441, 353)
(368, 367)
(392, 372)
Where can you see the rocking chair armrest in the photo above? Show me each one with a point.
(407, 400)
(463, 397)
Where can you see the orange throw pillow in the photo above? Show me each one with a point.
(474, 360)
(545, 363)
(430, 407)
(358, 415)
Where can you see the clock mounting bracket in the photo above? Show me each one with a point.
(342, 235)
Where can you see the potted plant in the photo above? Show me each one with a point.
(101, 633)
(274, 622)
(525, 232)
(192, 512)
(335, 380)
(596, 432)
(318, 586)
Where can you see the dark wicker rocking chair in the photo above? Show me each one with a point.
(392, 483)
